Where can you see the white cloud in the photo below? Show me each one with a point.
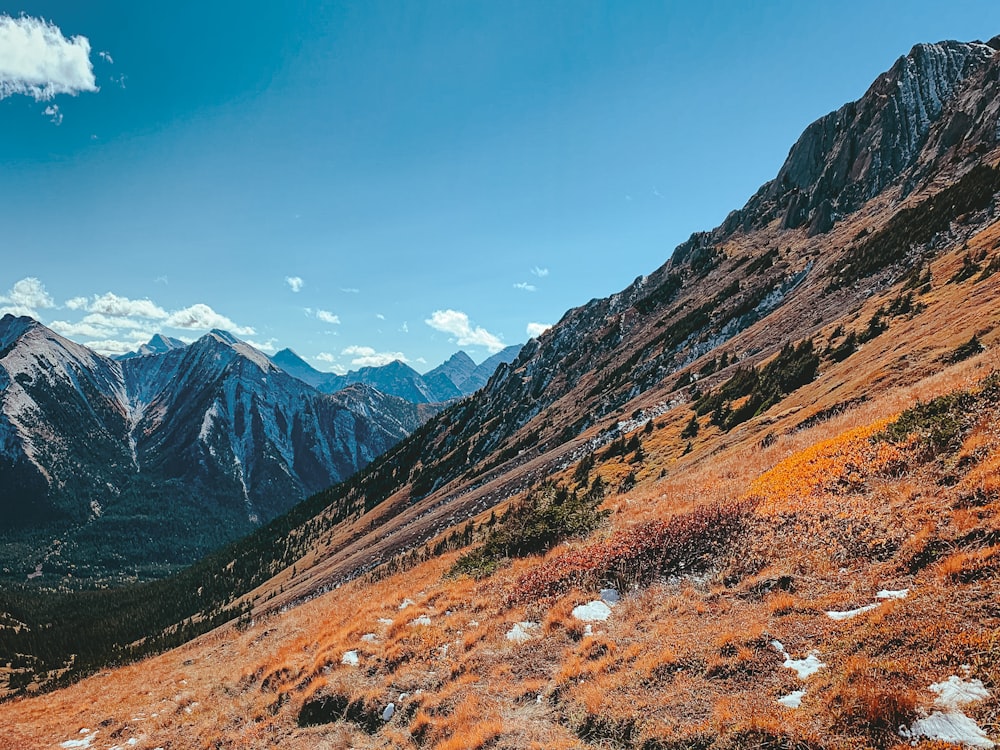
(110, 347)
(404, 328)
(350, 290)
(114, 322)
(380, 316)
(36, 60)
(295, 282)
(77, 303)
(365, 356)
(535, 330)
(53, 113)
(457, 324)
(65, 328)
(268, 346)
(106, 57)
(524, 286)
(328, 317)
(329, 359)
(110, 303)
(201, 317)
(26, 297)
(539, 272)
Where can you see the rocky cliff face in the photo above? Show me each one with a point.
(851, 155)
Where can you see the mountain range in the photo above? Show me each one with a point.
(457, 377)
(748, 501)
(161, 457)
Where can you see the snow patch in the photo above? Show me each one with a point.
(406, 603)
(350, 658)
(793, 699)
(420, 621)
(389, 712)
(522, 632)
(369, 638)
(804, 668)
(595, 611)
(951, 724)
(848, 614)
(889, 594)
(84, 742)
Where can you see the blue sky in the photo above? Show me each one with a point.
(367, 180)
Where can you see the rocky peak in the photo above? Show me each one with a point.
(851, 155)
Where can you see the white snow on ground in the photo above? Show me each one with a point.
(848, 614)
(805, 667)
(84, 742)
(384, 621)
(592, 612)
(950, 724)
(406, 603)
(422, 620)
(793, 699)
(611, 596)
(883, 595)
(389, 711)
(350, 658)
(889, 594)
(522, 632)
(369, 638)
(955, 692)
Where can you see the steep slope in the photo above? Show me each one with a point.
(176, 452)
(737, 412)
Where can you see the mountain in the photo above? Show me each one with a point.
(748, 501)
(177, 451)
(457, 377)
(297, 367)
(480, 376)
(454, 371)
(158, 344)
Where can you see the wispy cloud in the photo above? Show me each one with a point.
(379, 316)
(524, 286)
(534, 330)
(328, 317)
(350, 290)
(36, 60)
(106, 56)
(539, 272)
(295, 283)
(201, 317)
(366, 356)
(53, 113)
(269, 346)
(26, 297)
(456, 323)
